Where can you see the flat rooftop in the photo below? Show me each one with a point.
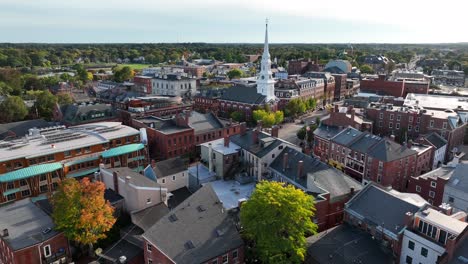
(51, 140)
(449, 223)
(230, 192)
(218, 146)
(26, 224)
(441, 102)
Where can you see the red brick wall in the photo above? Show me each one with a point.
(155, 255)
(31, 255)
(425, 185)
(240, 257)
(143, 82)
(340, 86)
(381, 86)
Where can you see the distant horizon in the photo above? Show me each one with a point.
(223, 22)
(241, 43)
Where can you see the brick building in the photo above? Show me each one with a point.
(352, 86)
(145, 82)
(171, 137)
(196, 71)
(397, 88)
(329, 82)
(367, 158)
(28, 236)
(303, 66)
(207, 99)
(34, 164)
(331, 188)
(346, 116)
(341, 86)
(430, 185)
(410, 122)
(199, 230)
(77, 114)
(303, 88)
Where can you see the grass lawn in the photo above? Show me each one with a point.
(136, 66)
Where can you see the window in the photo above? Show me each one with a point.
(380, 124)
(150, 261)
(67, 153)
(87, 149)
(18, 164)
(397, 125)
(44, 188)
(173, 177)
(225, 259)
(398, 117)
(431, 194)
(431, 123)
(149, 247)
(43, 177)
(163, 181)
(390, 125)
(410, 244)
(418, 120)
(235, 254)
(424, 252)
(433, 184)
(50, 158)
(23, 183)
(381, 116)
(409, 260)
(272, 156)
(25, 193)
(47, 251)
(451, 199)
(442, 236)
(410, 127)
(78, 151)
(118, 142)
(148, 201)
(410, 119)
(391, 116)
(418, 188)
(416, 128)
(444, 125)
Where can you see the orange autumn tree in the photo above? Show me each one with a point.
(81, 212)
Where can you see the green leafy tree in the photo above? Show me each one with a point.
(367, 69)
(238, 116)
(64, 99)
(123, 74)
(5, 89)
(45, 104)
(81, 212)
(13, 108)
(277, 219)
(279, 117)
(235, 74)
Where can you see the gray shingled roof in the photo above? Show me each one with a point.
(347, 136)
(459, 179)
(388, 150)
(326, 132)
(246, 142)
(436, 140)
(243, 94)
(363, 143)
(73, 113)
(147, 217)
(322, 177)
(169, 167)
(200, 221)
(20, 128)
(379, 206)
(204, 122)
(25, 223)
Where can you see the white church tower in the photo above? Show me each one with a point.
(265, 82)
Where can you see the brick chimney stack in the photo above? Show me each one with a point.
(300, 169)
(275, 131)
(285, 161)
(392, 137)
(153, 163)
(116, 182)
(446, 209)
(226, 141)
(255, 133)
(336, 108)
(243, 128)
(410, 143)
(408, 219)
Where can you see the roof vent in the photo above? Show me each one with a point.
(189, 244)
(173, 218)
(46, 231)
(201, 208)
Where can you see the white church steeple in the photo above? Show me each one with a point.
(265, 82)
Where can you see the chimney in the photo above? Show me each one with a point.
(127, 179)
(210, 157)
(226, 141)
(116, 182)
(446, 209)
(353, 113)
(259, 125)
(285, 161)
(450, 246)
(255, 136)
(5, 233)
(275, 131)
(408, 219)
(300, 169)
(351, 190)
(392, 137)
(409, 143)
(243, 128)
(336, 108)
(153, 163)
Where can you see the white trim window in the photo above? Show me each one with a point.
(47, 251)
(433, 184)
(226, 259)
(431, 194)
(149, 247)
(418, 188)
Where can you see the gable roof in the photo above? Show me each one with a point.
(265, 144)
(204, 122)
(459, 179)
(319, 177)
(346, 136)
(197, 230)
(326, 131)
(436, 140)
(20, 128)
(392, 214)
(169, 167)
(388, 150)
(73, 113)
(243, 94)
(364, 142)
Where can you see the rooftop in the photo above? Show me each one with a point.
(436, 140)
(218, 146)
(265, 144)
(444, 172)
(20, 128)
(438, 102)
(147, 217)
(459, 179)
(391, 215)
(135, 178)
(230, 192)
(345, 245)
(346, 136)
(27, 224)
(199, 229)
(169, 167)
(57, 139)
(243, 94)
(454, 226)
(388, 150)
(327, 132)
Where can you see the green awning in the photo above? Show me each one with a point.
(136, 158)
(138, 169)
(122, 150)
(82, 173)
(73, 162)
(11, 191)
(30, 171)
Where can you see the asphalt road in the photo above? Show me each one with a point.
(288, 131)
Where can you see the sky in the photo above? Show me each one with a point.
(239, 21)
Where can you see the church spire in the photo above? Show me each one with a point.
(266, 51)
(265, 82)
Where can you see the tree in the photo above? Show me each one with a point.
(279, 117)
(123, 74)
(13, 108)
(277, 219)
(237, 116)
(81, 212)
(234, 74)
(64, 99)
(45, 103)
(366, 69)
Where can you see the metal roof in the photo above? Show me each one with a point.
(82, 173)
(30, 172)
(122, 150)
